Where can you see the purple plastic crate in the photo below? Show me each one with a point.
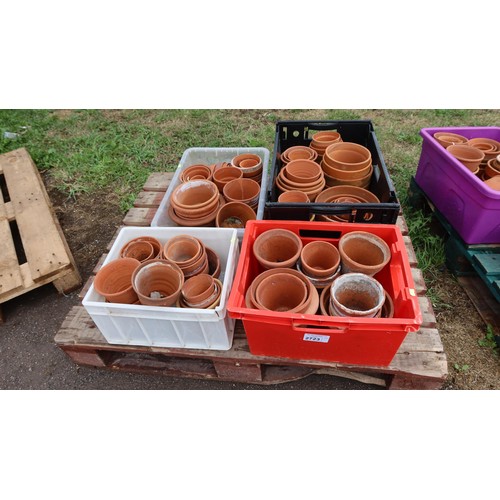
(468, 204)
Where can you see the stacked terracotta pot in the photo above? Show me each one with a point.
(225, 194)
(480, 155)
(346, 166)
(294, 275)
(160, 278)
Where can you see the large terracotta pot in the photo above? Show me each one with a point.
(277, 248)
(348, 156)
(243, 190)
(114, 281)
(356, 295)
(158, 283)
(319, 259)
(469, 156)
(281, 292)
(363, 252)
(363, 182)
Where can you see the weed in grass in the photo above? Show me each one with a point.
(489, 339)
(461, 367)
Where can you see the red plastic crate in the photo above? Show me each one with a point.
(367, 341)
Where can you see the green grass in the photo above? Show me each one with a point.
(87, 151)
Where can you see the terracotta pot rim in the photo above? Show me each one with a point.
(193, 185)
(291, 261)
(306, 268)
(109, 267)
(458, 151)
(252, 185)
(294, 193)
(204, 168)
(299, 307)
(207, 220)
(233, 206)
(331, 193)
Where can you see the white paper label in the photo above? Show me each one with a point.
(314, 337)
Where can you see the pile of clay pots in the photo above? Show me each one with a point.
(318, 277)
(222, 194)
(329, 170)
(183, 272)
(480, 155)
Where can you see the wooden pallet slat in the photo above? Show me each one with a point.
(48, 257)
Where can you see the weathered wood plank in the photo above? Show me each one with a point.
(158, 181)
(45, 251)
(149, 199)
(139, 217)
(10, 272)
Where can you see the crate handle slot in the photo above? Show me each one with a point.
(315, 233)
(311, 327)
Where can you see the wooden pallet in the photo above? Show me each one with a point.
(419, 364)
(33, 249)
(462, 259)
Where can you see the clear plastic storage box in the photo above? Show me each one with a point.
(170, 326)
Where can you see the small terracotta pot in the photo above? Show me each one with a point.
(312, 189)
(157, 246)
(207, 219)
(320, 282)
(213, 262)
(348, 156)
(242, 190)
(293, 197)
(234, 215)
(114, 281)
(206, 305)
(319, 259)
(321, 140)
(302, 171)
(249, 169)
(199, 291)
(139, 250)
(298, 153)
(281, 293)
(158, 283)
(468, 155)
(356, 295)
(448, 139)
(277, 248)
(196, 171)
(224, 175)
(363, 252)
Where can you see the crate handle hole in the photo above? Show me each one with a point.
(316, 233)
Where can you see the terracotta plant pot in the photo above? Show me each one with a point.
(277, 248)
(302, 171)
(388, 307)
(321, 140)
(188, 253)
(158, 283)
(363, 182)
(224, 175)
(281, 292)
(310, 305)
(217, 294)
(298, 153)
(139, 250)
(195, 172)
(250, 164)
(234, 215)
(469, 156)
(243, 190)
(213, 262)
(492, 168)
(345, 194)
(319, 259)
(199, 291)
(363, 252)
(348, 156)
(493, 183)
(356, 295)
(293, 197)
(312, 189)
(196, 221)
(448, 139)
(194, 199)
(114, 281)
(318, 282)
(157, 246)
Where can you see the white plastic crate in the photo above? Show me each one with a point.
(170, 326)
(209, 156)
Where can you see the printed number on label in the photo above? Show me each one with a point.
(313, 337)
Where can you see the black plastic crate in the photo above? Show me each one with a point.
(299, 133)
